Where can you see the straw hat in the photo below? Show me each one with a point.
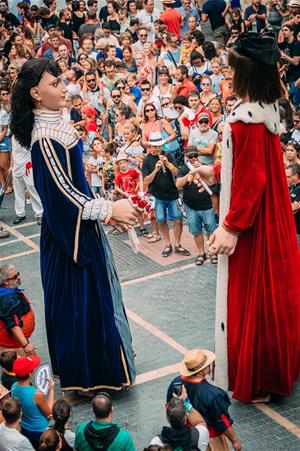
(168, 2)
(196, 360)
(121, 157)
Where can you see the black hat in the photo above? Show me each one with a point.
(260, 48)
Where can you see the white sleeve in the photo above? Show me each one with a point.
(96, 209)
(203, 437)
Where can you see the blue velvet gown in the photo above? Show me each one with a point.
(88, 333)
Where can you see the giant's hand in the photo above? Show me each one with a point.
(124, 213)
(222, 242)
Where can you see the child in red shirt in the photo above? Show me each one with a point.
(128, 181)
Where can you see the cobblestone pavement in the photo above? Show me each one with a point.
(170, 308)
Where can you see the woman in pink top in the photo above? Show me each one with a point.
(152, 123)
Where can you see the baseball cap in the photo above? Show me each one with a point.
(203, 116)
(191, 150)
(25, 365)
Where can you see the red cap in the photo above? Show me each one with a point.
(25, 365)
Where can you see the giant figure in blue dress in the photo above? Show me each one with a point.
(87, 329)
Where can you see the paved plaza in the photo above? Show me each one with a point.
(170, 305)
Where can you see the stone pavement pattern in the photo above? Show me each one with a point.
(170, 308)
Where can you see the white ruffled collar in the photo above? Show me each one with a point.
(256, 113)
(47, 116)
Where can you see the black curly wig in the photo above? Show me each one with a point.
(22, 116)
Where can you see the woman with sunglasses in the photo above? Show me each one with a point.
(153, 123)
(291, 153)
(206, 95)
(5, 137)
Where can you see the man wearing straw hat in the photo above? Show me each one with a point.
(210, 401)
(171, 17)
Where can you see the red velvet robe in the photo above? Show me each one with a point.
(263, 318)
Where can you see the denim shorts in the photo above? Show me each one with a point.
(167, 210)
(5, 145)
(197, 219)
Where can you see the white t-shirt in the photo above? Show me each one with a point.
(148, 19)
(95, 179)
(198, 138)
(202, 441)
(13, 440)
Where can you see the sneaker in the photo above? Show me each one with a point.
(39, 221)
(18, 219)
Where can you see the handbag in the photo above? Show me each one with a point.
(170, 146)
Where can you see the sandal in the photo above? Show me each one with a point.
(154, 238)
(200, 259)
(182, 251)
(143, 232)
(214, 260)
(167, 251)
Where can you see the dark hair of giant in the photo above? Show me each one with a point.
(22, 116)
(247, 85)
(61, 412)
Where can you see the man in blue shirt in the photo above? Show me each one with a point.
(255, 16)
(215, 11)
(186, 11)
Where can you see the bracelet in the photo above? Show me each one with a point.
(109, 212)
(25, 344)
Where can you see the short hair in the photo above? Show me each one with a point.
(91, 2)
(145, 82)
(11, 410)
(3, 272)
(183, 69)
(246, 84)
(76, 97)
(194, 94)
(106, 26)
(91, 15)
(134, 21)
(109, 63)
(295, 168)
(176, 413)
(181, 100)
(102, 405)
(230, 99)
(7, 359)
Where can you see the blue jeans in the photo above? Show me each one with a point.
(197, 219)
(167, 209)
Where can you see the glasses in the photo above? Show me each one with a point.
(91, 80)
(178, 107)
(203, 121)
(145, 89)
(149, 110)
(4, 93)
(292, 142)
(143, 35)
(192, 157)
(205, 84)
(121, 87)
(116, 96)
(13, 277)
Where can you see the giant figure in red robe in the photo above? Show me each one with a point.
(258, 290)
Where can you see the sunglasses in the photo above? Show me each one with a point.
(205, 84)
(116, 97)
(150, 110)
(145, 89)
(192, 157)
(92, 80)
(204, 121)
(13, 277)
(143, 35)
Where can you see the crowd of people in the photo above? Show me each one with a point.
(148, 93)
(143, 86)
